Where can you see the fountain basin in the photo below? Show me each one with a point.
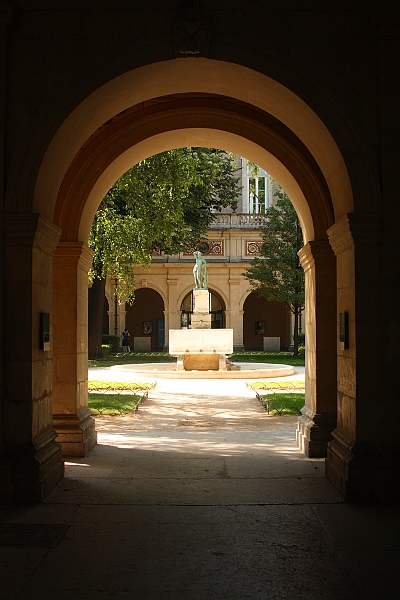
(168, 371)
(201, 349)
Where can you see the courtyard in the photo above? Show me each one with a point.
(199, 494)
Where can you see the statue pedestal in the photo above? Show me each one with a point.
(201, 318)
(201, 349)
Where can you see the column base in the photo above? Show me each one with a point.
(314, 431)
(76, 434)
(238, 348)
(364, 472)
(32, 473)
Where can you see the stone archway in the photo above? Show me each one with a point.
(217, 309)
(276, 319)
(218, 121)
(150, 113)
(145, 320)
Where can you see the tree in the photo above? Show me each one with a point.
(278, 275)
(165, 201)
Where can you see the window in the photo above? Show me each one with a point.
(257, 195)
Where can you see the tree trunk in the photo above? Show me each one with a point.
(296, 333)
(95, 318)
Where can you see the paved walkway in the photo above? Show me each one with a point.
(200, 495)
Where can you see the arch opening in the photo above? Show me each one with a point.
(196, 118)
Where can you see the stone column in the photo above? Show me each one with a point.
(166, 330)
(121, 320)
(71, 415)
(363, 457)
(239, 346)
(31, 463)
(172, 315)
(234, 317)
(319, 413)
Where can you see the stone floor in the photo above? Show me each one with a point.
(199, 495)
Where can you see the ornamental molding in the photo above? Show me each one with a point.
(208, 248)
(191, 29)
(253, 248)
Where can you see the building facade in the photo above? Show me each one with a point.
(163, 298)
(87, 92)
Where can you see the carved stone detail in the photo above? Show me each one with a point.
(254, 248)
(192, 29)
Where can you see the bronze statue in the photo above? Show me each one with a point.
(200, 272)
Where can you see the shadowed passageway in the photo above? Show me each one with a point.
(201, 495)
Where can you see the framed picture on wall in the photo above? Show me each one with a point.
(259, 327)
(147, 327)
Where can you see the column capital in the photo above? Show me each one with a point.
(30, 230)
(74, 253)
(355, 229)
(316, 253)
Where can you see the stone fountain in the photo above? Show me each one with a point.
(201, 348)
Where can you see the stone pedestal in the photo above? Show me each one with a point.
(201, 349)
(201, 318)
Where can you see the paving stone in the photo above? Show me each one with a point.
(226, 511)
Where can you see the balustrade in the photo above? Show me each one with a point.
(238, 221)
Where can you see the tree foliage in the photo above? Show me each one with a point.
(164, 201)
(277, 274)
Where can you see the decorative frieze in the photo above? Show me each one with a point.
(209, 248)
(253, 248)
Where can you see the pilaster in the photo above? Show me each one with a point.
(173, 313)
(234, 317)
(32, 462)
(363, 457)
(318, 417)
(71, 415)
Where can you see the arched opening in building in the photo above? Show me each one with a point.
(145, 321)
(220, 121)
(145, 111)
(265, 319)
(217, 310)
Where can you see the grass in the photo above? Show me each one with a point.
(285, 403)
(98, 385)
(103, 402)
(285, 358)
(294, 384)
(112, 404)
(129, 358)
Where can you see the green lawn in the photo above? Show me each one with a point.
(285, 358)
(103, 402)
(99, 385)
(129, 358)
(112, 404)
(282, 403)
(294, 384)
